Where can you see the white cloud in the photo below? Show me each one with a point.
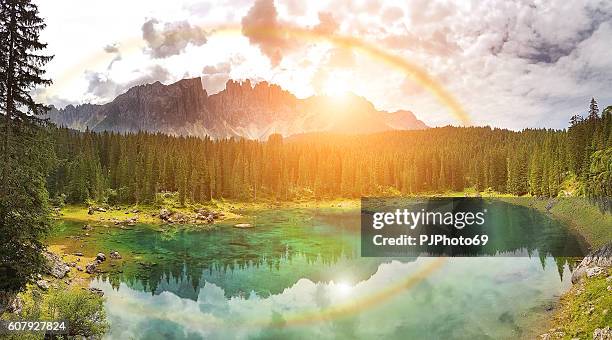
(511, 64)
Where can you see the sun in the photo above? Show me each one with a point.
(337, 85)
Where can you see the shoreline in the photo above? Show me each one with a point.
(562, 210)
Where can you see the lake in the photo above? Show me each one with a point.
(298, 274)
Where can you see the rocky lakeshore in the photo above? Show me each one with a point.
(585, 311)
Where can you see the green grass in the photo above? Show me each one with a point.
(230, 208)
(587, 306)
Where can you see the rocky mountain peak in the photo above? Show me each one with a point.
(242, 109)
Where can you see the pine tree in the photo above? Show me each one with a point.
(25, 152)
(593, 109)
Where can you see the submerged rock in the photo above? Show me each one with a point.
(243, 225)
(115, 255)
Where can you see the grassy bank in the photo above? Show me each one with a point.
(585, 218)
(585, 307)
(149, 214)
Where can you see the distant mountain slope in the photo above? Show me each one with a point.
(255, 112)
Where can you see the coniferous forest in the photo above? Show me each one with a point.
(133, 168)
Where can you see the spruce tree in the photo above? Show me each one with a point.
(593, 109)
(25, 153)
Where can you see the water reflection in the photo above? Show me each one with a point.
(299, 274)
(460, 300)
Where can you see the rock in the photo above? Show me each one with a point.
(115, 255)
(243, 225)
(602, 333)
(101, 257)
(96, 291)
(135, 211)
(91, 268)
(90, 211)
(55, 266)
(78, 254)
(600, 258)
(16, 305)
(87, 227)
(100, 209)
(79, 268)
(42, 284)
(165, 214)
(593, 271)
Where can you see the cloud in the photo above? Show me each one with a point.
(340, 58)
(172, 38)
(392, 14)
(102, 86)
(214, 77)
(262, 28)
(296, 7)
(113, 48)
(327, 23)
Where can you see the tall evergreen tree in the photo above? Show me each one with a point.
(593, 109)
(24, 213)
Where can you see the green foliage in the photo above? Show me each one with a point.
(139, 166)
(83, 310)
(25, 153)
(24, 212)
(599, 177)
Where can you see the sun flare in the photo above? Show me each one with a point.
(336, 85)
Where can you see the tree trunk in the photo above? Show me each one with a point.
(9, 97)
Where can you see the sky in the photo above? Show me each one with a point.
(509, 64)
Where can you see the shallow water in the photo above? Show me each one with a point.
(298, 274)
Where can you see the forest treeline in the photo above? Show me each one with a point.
(133, 168)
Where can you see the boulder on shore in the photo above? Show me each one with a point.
(101, 257)
(592, 264)
(42, 284)
(91, 268)
(55, 266)
(164, 214)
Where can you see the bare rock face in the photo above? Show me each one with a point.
(240, 110)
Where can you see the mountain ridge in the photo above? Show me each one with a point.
(242, 109)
